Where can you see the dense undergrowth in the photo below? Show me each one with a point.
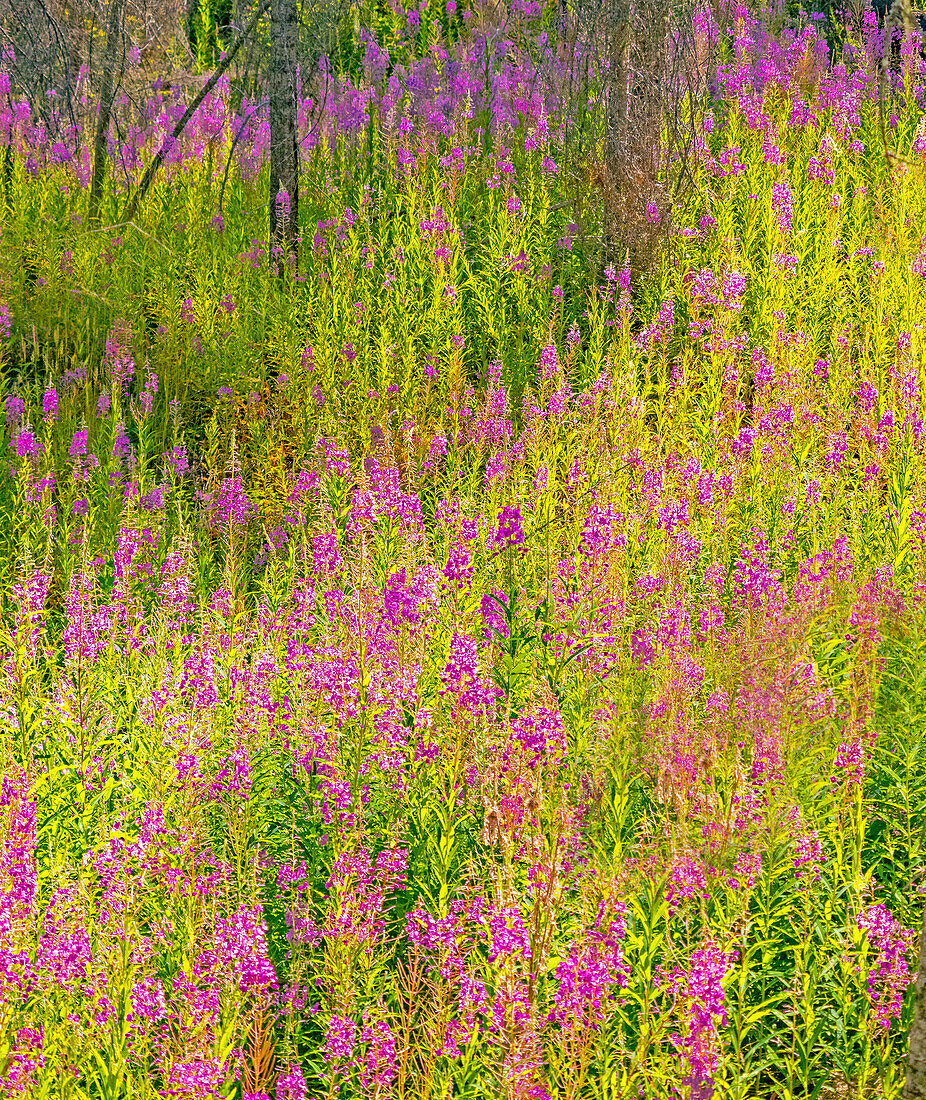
(458, 670)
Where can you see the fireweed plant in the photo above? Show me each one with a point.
(447, 671)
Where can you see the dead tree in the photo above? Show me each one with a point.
(650, 104)
(634, 92)
(915, 1086)
(112, 73)
(284, 142)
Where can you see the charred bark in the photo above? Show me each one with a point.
(108, 86)
(915, 1087)
(284, 142)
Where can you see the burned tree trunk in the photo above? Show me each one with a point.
(616, 121)
(915, 1088)
(634, 141)
(284, 143)
(76, 41)
(104, 115)
(641, 64)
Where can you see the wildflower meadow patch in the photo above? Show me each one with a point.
(468, 662)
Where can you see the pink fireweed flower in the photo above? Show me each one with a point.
(699, 1000)
(782, 205)
(549, 364)
(385, 504)
(50, 405)
(336, 460)
(764, 372)
(459, 567)
(36, 490)
(889, 972)
(15, 411)
(25, 1057)
(539, 731)
(327, 562)
(438, 449)
(718, 701)
(849, 766)
(493, 605)
(462, 680)
(508, 933)
(339, 1041)
(122, 447)
(510, 532)
(866, 397)
(642, 648)
(746, 869)
(18, 874)
(178, 462)
(241, 950)
(808, 855)
(117, 358)
(686, 881)
(25, 444)
(235, 777)
(734, 286)
(148, 1001)
(754, 583)
(291, 1084)
(660, 331)
(78, 445)
(30, 603)
(146, 400)
(359, 886)
(229, 508)
(199, 1077)
(590, 972)
(401, 599)
(379, 1062)
(87, 625)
